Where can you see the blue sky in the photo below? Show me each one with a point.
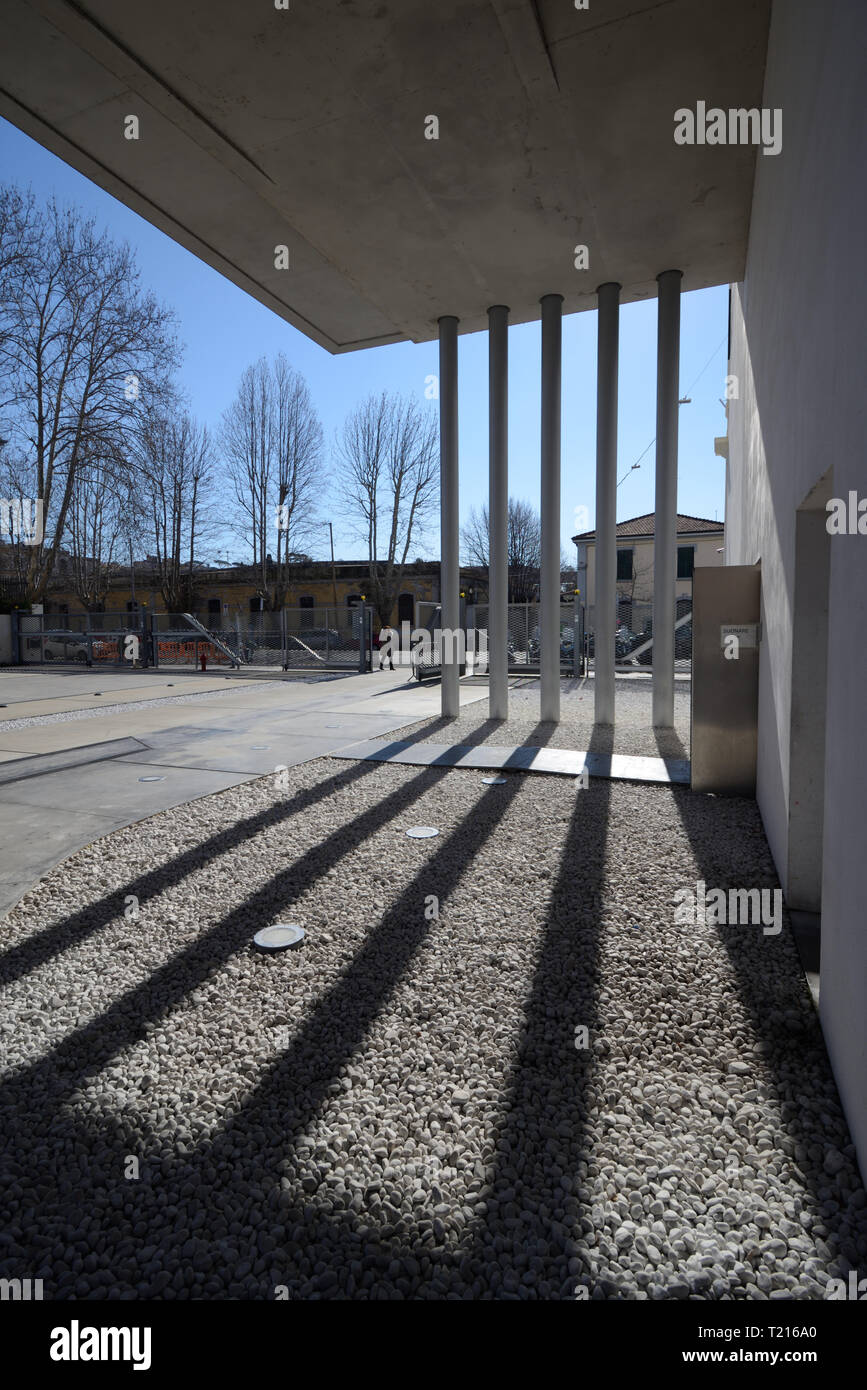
(224, 330)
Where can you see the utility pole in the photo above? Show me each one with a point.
(132, 575)
(333, 570)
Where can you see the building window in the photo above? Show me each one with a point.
(131, 606)
(352, 600)
(307, 602)
(406, 608)
(624, 564)
(214, 606)
(255, 604)
(685, 560)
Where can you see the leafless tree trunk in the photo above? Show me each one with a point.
(388, 473)
(524, 547)
(173, 460)
(81, 349)
(95, 525)
(271, 440)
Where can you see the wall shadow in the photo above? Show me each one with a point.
(787, 1049)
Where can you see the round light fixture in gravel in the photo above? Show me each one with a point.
(495, 781)
(422, 832)
(279, 937)
(259, 747)
(152, 779)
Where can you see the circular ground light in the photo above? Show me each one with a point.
(259, 747)
(152, 779)
(422, 832)
(279, 937)
(495, 781)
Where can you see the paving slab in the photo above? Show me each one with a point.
(233, 755)
(564, 762)
(39, 765)
(49, 692)
(111, 790)
(41, 838)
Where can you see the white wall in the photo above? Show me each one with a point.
(799, 347)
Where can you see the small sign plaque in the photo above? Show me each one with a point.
(744, 632)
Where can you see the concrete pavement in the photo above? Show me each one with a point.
(234, 730)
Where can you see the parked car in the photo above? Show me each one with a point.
(71, 648)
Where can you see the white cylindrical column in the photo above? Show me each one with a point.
(498, 512)
(549, 583)
(665, 523)
(604, 619)
(450, 603)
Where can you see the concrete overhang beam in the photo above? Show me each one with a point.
(306, 128)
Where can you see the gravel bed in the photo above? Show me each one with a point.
(404, 1106)
(632, 730)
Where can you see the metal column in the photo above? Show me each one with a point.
(498, 512)
(665, 523)
(549, 620)
(449, 520)
(608, 333)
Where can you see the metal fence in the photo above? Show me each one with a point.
(524, 639)
(290, 638)
(633, 641)
(294, 638)
(82, 639)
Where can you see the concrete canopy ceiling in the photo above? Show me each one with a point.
(305, 127)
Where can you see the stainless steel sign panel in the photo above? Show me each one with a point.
(726, 648)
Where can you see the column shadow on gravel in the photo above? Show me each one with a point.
(34, 1098)
(18, 961)
(789, 1049)
(523, 1244)
(83, 1052)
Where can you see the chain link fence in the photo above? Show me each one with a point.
(294, 638)
(79, 639)
(524, 640)
(633, 639)
(321, 638)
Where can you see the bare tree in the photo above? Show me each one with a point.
(174, 467)
(388, 473)
(95, 526)
(81, 346)
(524, 547)
(271, 440)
